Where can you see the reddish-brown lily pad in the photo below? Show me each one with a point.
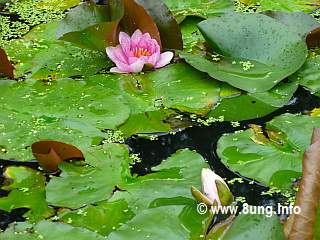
(170, 33)
(313, 38)
(50, 153)
(136, 17)
(301, 226)
(6, 68)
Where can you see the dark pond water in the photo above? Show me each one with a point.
(204, 141)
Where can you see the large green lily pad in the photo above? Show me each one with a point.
(251, 58)
(169, 184)
(269, 160)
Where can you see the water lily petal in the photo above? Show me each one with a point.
(136, 51)
(165, 59)
(137, 66)
(116, 54)
(135, 38)
(209, 185)
(146, 41)
(116, 70)
(125, 42)
(155, 47)
(154, 58)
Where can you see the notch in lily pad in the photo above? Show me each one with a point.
(50, 153)
(6, 68)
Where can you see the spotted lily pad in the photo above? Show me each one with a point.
(250, 58)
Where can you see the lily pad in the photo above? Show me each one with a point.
(169, 185)
(67, 111)
(289, 5)
(309, 74)
(27, 190)
(298, 22)
(79, 185)
(253, 155)
(148, 122)
(146, 225)
(257, 104)
(251, 58)
(200, 8)
(249, 226)
(92, 26)
(190, 33)
(49, 231)
(102, 218)
(43, 57)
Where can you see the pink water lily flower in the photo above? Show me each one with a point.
(132, 54)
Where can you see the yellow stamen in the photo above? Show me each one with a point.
(139, 52)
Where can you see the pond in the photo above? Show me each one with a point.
(113, 112)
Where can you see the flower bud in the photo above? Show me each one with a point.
(215, 191)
